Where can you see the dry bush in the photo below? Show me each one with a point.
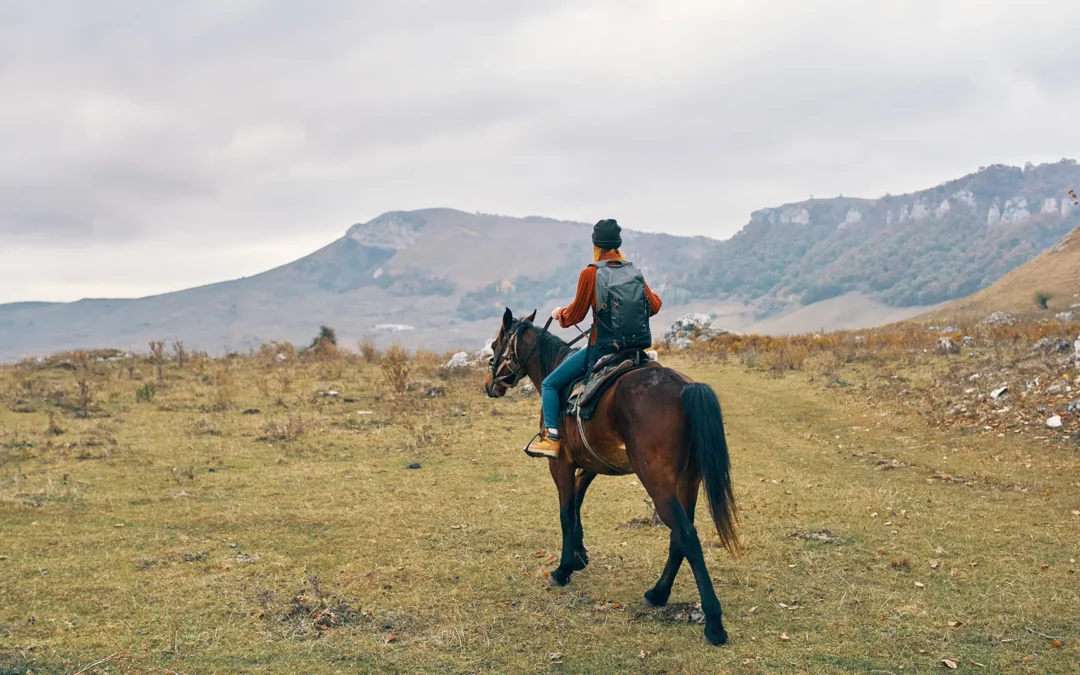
(224, 386)
(368, 350)
(197, 361)
(426, 362)
(291, 430)
(324, 350)
(179, 353)
(83, 377)
(157, 356)
(54, 428)
(395, 368)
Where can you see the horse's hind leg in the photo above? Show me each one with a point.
(658, 595)
(582, 483)
(685, 536)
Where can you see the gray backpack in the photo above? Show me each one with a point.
(622, 309)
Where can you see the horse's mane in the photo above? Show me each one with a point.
(550, 349)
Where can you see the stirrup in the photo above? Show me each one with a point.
(528, 447)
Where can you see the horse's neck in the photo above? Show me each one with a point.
(535, 370)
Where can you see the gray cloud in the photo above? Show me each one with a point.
(248, 125)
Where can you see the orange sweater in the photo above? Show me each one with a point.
(586, 299)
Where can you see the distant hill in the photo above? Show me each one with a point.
(446, 274)
(1054, 272)
(442, 273)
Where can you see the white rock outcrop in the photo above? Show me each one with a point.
(458, 360)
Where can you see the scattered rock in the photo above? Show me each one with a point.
(414, 465)
(999, 392)
(967, 341)
(692, 322)
(689, 328)
(1074, 407)
(947, 345)
(251, 411)
(331, 394)
(246, 558)
(999, 319)
(1046, 345)
(429, 389)
(528, 390)
(282, 357)
(1065, 316)
(486, 352)
(1054, 422)
(458, 360)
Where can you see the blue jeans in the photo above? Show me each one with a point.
(573, 367)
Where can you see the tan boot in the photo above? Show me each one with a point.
(544, 446)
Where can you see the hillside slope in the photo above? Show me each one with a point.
(1055, 272)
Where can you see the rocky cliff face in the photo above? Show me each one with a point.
(915, 249)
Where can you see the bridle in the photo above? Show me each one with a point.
(504, 359)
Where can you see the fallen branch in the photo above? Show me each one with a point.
(1035, 632)
(98, 663)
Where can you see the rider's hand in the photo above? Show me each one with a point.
(555, 314)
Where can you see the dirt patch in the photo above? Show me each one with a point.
(817, 535)
(310, 612)
(683, 612)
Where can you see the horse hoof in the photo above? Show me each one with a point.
(651, 600)
(717, 636)
(558, 578)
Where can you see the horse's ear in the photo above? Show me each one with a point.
(531, 317)
(508, 318)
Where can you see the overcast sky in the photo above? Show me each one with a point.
(152, 146)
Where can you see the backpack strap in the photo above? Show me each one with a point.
(618, 262)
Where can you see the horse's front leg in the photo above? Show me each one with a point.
(582, 483)
(562, 472)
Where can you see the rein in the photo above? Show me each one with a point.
(510, 346)
(515, 375)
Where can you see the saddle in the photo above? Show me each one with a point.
(583, 394)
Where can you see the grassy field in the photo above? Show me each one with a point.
(234, 515)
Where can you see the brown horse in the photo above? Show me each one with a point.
(654, 422)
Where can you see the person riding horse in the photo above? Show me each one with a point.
(622, 304)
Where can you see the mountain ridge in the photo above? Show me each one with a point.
(447, 272)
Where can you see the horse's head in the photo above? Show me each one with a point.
(506, 368)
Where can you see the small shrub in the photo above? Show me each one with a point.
(368, 350)
(1042, 299)
(395, 367)
(225, 385)
(83, 376)
(179, 353)
(54, 428)
(146, 393)
(157, 355)
(325, 343)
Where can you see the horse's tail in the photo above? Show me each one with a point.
(706, 433)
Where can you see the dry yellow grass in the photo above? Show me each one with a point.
(244, 519)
